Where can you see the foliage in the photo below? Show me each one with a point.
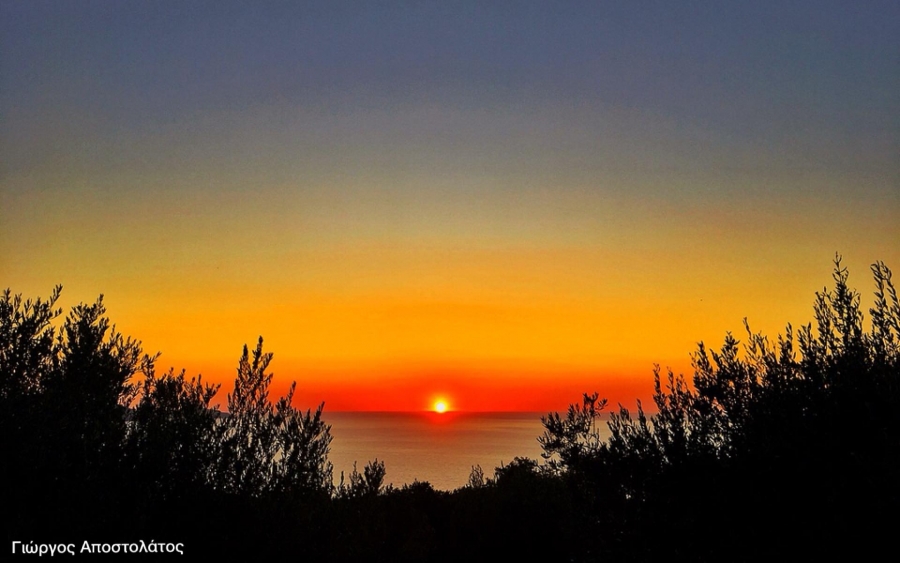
(28, 344)
(733, 393)
(366, 484)
(64, 397)
(88, 425)
(758, 429)
(172, 442)
(476, 478)
(270, 448)
(567, 441)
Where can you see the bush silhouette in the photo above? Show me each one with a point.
(87, 426)
(270, 448)
(173, 440)
(368, 483)
(804, 430)
(66, 399)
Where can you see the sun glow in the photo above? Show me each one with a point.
(440, 406)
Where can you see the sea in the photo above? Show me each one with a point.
(438, 448)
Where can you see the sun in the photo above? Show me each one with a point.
(440, 406)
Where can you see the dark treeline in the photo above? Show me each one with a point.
(788, 448)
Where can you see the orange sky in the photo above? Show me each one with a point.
(503, 208)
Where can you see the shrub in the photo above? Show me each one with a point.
(271, 448)
(805, 430)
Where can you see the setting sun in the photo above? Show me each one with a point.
(440, 406)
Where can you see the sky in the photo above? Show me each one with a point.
(502, 204)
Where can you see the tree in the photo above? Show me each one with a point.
(28, 353)
(93, 387)
(270, 448)
(28, 344)
(369, 483)
(567, 441)
(65, 395)
(172, 444)
(763, 428)
(738, 397)
(303, 441)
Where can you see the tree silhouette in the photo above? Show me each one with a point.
(268, 448)
(65, 397)
(803, 430)
(28, 353)
(568, 441)
(366, 484)
(90, 428)
(172, 445)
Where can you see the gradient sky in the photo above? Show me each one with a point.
(502, 203)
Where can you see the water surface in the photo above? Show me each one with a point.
(438, 448)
